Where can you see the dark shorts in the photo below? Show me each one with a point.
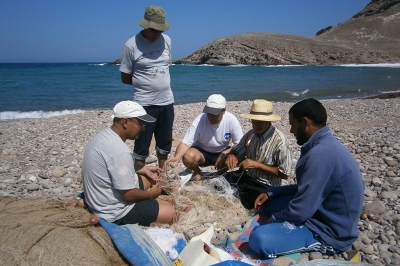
(210, 157)
(248, 189)
(161, 128)
(143, 213)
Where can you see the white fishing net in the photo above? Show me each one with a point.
(202, 203)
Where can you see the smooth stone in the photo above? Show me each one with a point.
(358, 245)
(369, 249)
(388, 195)
(383, 247)
(67, 182)
(46, 184)
(376, 207)
(391, 174)
(32, 187)
(376, 181)
(151, 159)
(32, 178)
(369, 193)
(315, 256)
(56, 191)
(57, 173)
(390, 161)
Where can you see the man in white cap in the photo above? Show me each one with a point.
(145, 66)
(262, 154)
(207, 141)
(112, 189)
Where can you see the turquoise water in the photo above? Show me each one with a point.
(33, 90)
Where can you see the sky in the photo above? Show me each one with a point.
(56, 31)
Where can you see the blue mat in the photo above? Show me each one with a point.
(135, 245)
(237, 245)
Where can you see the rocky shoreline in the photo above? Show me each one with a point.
(42, 158)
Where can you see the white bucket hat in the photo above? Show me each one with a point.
(154, 17)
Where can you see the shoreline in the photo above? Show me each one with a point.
(41, 158)
(22, 115)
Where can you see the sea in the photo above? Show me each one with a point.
(40, 90)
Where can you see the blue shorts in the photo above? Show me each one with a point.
(162, 130)
(143, 213)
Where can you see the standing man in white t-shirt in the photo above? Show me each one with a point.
(145, 65)
(207, 141)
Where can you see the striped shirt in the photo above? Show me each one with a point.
(271, 149)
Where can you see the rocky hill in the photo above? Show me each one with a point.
(370, 36)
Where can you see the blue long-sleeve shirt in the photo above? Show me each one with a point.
(329, 193)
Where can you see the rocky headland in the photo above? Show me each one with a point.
(370, 36)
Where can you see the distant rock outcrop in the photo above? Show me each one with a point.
(370, 36)
(116, 62)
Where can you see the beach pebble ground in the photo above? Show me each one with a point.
(43, 157)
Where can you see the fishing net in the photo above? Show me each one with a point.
(200, 204)
(50, 232)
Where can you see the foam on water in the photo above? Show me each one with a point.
(297, 94)
(393, 65)
(9, 115)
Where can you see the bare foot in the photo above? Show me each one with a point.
(77, 203)
(93, 219)
(196, 177)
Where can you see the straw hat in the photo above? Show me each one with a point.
(262, 110)
(154, 17)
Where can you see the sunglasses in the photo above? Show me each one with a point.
(156, 31)
(140, 124)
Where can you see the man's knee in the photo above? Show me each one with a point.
(167, 212)
(259, 240)
(191, 157)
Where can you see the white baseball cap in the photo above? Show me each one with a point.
(215, 104)
(130, 109)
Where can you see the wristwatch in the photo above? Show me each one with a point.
(224, 155)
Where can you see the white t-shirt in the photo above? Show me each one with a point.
(108, 167)
(213, 138)
(148, 63)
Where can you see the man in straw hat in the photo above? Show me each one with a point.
(207, 140)
(321, 212)
(145, 65)
(113, 190)
(262, 154)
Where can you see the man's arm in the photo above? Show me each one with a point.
(126, 78)
(271, 170)
(135, 195)
(151, 172)
(220, 163)
(180, 151)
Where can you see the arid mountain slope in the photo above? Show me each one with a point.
(370, 36)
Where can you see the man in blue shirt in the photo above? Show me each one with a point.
(320, 212)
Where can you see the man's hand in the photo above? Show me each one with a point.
(247, 164)
(260, 200)
(231, 161)
(152, 172)
(155, 191)
(220, 163)
(173, 162)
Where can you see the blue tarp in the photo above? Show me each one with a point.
(135, 245)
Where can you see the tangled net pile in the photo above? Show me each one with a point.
(198, 204)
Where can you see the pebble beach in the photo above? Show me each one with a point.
(42, 158)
